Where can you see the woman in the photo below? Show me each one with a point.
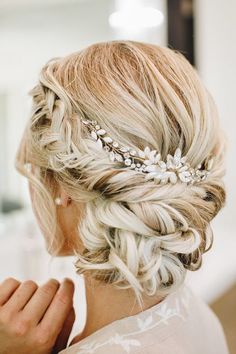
(127, 160)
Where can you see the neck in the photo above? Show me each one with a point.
(106, 304)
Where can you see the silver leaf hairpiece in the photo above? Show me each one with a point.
(148, 161)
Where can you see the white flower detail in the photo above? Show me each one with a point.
(89, 347)
(142, 324)
(176, 161)
(148, 161)
(163, 314)
(94, 135)
(101, 132)
(118, 157)
(164, 311)
(99, 144)
(125, 343)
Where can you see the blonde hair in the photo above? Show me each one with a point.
(136, 234)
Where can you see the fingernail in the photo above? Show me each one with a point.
(53, 280)
(68, 280)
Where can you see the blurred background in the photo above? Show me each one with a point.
(32, 32)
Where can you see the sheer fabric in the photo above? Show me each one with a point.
(181, 324)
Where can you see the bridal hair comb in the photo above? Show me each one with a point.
(147, 161)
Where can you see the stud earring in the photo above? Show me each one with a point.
(58, 201)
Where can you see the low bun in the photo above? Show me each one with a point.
(149, 242)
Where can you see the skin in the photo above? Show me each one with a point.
(27, 310)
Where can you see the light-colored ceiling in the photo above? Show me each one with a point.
(77, 15)
(30, 35)
(12, 4)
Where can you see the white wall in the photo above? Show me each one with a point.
(215, 27)
(216, 58)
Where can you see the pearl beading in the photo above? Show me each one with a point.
(148, 161)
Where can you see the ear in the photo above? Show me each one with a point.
(65, 199)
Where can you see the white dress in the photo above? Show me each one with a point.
(181, 324)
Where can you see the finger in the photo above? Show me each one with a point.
(62, 339)
(38, 304)
(21, 296)
(7, 288)
(59, 309)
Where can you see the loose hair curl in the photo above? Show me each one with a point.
(136, 234)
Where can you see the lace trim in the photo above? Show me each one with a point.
(143, 321)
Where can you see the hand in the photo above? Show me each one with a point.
(62, 339)
(32, 317)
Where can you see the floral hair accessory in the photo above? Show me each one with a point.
(148, 161)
